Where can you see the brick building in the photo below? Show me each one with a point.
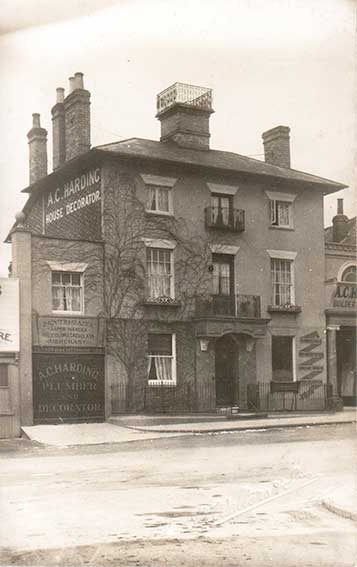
(341, 304)
(164, 275)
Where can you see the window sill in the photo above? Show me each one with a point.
(291, 228)
(284, 309)
(159, 213)
(156, 383)
(163, 302)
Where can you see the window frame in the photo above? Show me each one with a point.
(293, 357)
(158, 188)
(80, 287)
(150, 297)
(276, 198)
(173, 358)
(290, 262)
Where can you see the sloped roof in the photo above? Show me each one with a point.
(213, 159)
(350, 238)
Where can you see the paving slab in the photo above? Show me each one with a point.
(66, 435)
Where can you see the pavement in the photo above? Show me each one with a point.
(124, 429)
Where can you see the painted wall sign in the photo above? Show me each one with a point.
(73, 209)
(9, 315)
(68, 387)
(68, 331)
(345, 296)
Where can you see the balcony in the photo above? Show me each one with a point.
(239, 306)
(181, 93)
(225, 219)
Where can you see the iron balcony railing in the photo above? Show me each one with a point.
(225, 219)
(240, 306)
(182, 93)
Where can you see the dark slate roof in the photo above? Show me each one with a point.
(212, 159)
(350, 238)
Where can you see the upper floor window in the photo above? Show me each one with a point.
(221, 210)
(282, 282)
(281, 209)
(350, 274)
(159, 262)
(158, 199)
(159, 193)
(67, 292)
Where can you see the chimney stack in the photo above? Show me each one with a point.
(184, 112)
(339, 223)
(277, 146)
(77, 118)
(58, 131)
(37, 139)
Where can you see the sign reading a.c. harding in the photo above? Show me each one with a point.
(9, 315)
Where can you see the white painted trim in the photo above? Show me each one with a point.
(293, 348)
(277, 196)
(159, 243)
(223, 189)
(158, 180)
(282, 254)
(67, 266)
(224, 249)
(344, 267)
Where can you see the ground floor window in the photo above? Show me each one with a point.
(282, 359)
(161, 359)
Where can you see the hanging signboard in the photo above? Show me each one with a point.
(9, 315)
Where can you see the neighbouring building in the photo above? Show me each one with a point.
(341, 304)
(164, 275)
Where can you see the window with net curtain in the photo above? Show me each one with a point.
(280, 213)
(158, 199)
(159, 272)
(161, 359)
(282, 282)
(67, 292)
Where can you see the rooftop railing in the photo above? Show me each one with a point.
(182, 93)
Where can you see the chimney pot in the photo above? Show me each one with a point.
(36, 123)
(59, 95)
(71, 84)
(78, 81)
(339, 223)
(340, 206)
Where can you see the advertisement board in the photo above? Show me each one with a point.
(9, 315)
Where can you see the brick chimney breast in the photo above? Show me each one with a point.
(58, 131)
(77, 118)
(184, 112)
(37, 139)
(277, 146)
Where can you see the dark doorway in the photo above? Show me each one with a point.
(346, 364)
(226, 371)
(282, 359)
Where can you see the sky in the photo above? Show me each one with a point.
(269, 62)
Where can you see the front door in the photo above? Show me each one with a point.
(223, 284)
(226, 368)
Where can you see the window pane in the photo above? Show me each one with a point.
(283, 213)
(56, 277)
(350, 274)
(151, 198)
(282, 358)
(66, 278)
(163, 199)
(76, 279)
(160, 344)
